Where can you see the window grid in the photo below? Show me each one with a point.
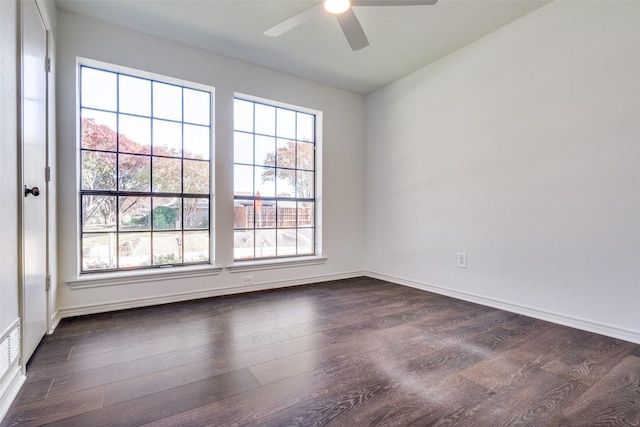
(157, 225)
(286, 216)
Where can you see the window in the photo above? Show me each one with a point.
(145, 172)
(274, 181)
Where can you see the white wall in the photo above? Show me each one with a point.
(11, 377)
(523, 150)
(343, 160)
(8, 164)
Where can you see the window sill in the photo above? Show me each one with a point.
(244, 266)
(129, 277)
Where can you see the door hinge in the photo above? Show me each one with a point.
(47, 64)
(48, 283)
(47, 174)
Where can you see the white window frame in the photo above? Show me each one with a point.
(263, 263)
(131, 275)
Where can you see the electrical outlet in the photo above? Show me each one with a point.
(246, 280)
(461, 261)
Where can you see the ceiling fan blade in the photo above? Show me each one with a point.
(352, 30)
(294, 21)
(393, 2)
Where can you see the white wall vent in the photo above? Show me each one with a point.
(9, 347)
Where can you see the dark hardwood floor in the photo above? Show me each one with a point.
(357, 352)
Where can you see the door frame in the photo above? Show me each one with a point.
(50, 185)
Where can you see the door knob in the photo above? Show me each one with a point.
(35, 191)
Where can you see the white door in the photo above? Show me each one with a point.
(34, 154)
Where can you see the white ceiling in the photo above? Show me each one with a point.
(402, 38)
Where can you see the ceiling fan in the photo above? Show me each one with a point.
(346, 17)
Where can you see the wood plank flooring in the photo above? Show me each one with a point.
(357, 352)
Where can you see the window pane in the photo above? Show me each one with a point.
(243, 213)
(98, 89)
(133, 172)
(305, 156)
(265, 243)
(243, 180)
(98, 130)
(197, 107)
(286, 123)
(196, 177)
(287, 215)
(305, 128)
(243, 115)
(135, 134)
(167, 248)
(285, 183)
(243, 244)
(196, 142)
(135, 213)
(265, 214)
(98, 251)
(287, 242)
(134, 250)
(306, 214)
(243, 148)
(98, 213)
(265, 150)
(167, 101)
(196, 213)
(265, 119)
(265, 184)
(196, 246)
(286, 154)
(167, 175)
(166, 213)
(167, 138)
(98, 171)
(135, 95)
(305, 241)
(304, 185)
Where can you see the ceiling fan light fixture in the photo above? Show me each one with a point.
(336, 6)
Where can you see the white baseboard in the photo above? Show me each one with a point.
(9, 388)
(54, 321)
(185, 296)
(582, 324)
